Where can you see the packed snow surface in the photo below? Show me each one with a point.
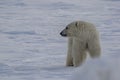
(32, 49)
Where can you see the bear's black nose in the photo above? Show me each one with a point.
(62, 34)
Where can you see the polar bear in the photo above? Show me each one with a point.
(83, 38)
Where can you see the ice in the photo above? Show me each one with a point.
(32, 49)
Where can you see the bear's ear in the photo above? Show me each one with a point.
(76, 24)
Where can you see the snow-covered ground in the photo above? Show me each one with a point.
(32, 49)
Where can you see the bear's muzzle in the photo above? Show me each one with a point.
(63, 34)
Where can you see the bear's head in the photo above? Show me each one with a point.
(72, 29)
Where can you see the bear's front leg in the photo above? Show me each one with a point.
(69, 61)
(78, 52)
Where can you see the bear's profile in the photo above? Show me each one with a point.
(83, 38)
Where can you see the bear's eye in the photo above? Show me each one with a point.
(66, 27)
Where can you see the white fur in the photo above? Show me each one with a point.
(85, 38)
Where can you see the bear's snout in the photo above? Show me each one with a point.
(63, 33)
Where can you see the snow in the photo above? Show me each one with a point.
(98, 69)
(32, 49)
